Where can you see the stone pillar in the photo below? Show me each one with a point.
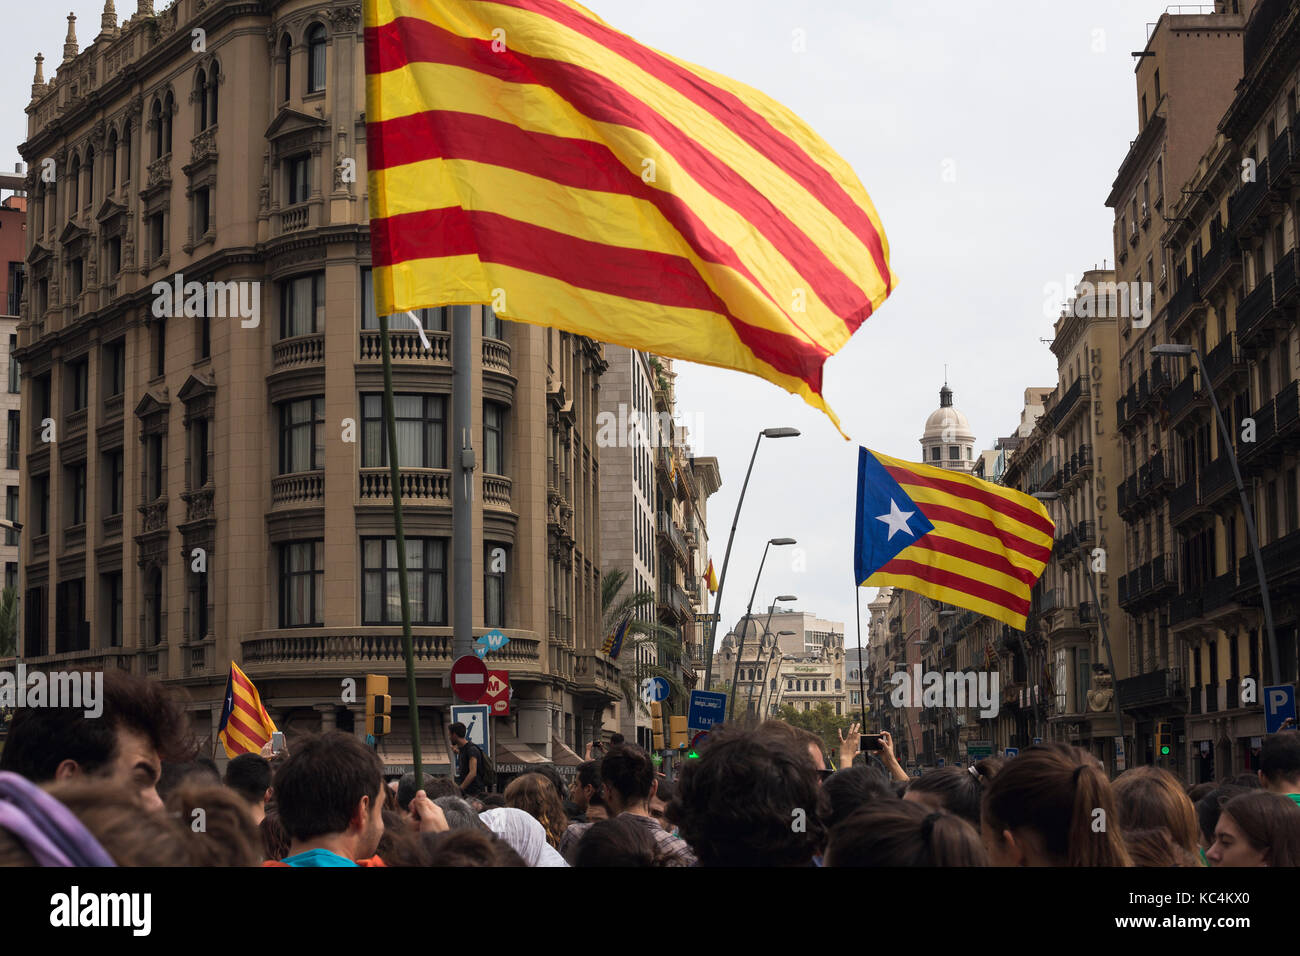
(328, 717)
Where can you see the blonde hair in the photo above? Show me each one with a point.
(536, 796)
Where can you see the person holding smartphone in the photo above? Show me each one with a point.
(881, 745)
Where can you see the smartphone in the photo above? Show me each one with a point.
(869, 742)
(277, 742)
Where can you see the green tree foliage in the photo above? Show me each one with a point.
(662, 644)
(821, 720)
(8, 623)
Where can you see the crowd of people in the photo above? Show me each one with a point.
(127, 789)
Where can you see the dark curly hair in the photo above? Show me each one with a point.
(750, 800)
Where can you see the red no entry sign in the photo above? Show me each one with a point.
(469, 678)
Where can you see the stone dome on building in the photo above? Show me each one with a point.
(948, 440)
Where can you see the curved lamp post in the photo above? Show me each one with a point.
(740, 651)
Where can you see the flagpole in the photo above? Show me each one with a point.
(862, 667)
(395, 480)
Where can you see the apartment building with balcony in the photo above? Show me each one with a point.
(218, 487)
(1182, 88)
(1234, 235)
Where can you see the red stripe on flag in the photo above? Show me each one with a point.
(985, 526)
(410, 40)
(999, 504)
(613, 270)
(968, 552)
(958, 582)
(578, 163)
(736, 115)
(253, 731)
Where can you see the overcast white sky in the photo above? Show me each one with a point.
(1033, 103)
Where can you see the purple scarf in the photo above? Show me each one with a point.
(48, 829)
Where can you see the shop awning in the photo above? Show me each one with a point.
(563, 755)
(514, 756)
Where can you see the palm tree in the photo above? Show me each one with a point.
(663, 643)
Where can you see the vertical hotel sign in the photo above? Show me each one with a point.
(1096, 371)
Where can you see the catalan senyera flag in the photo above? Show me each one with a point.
(525, 154)
(245, 725)
(614, 643)
(949, 536)
(713, 579)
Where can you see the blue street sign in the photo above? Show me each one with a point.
(1011, 752)
(708, 707)
(475, 719)
(1279, 704)
(939, 762)
(491, 641)
(655, 689)
(1038, 740)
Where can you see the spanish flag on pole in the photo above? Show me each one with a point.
(526, 154)
(713, 579)
(949, 536)
(245, 725)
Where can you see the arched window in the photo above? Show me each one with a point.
(315, 58)
(74, 174)
(837, 685)
(90, 176)
(155, 117)
(774, 685)
(214, 77)
(789, 685)
(823, 685)
(167, 110)
(201, 94)
(156, 608)
(286, 51)
(126, 152)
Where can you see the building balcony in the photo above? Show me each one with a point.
(1263, 451)
(1184, 504)
(1185, 303)
(405, 346)
(305, 489)
(1184, 607)
(1247, 206)
(1286, 405)
(1225, 363)
(674, 600)
(340, 651)
(1154, 477)
(1257, 314)
(1164, 576)
(496, 492)
(1284, 160)
(1126, 493)
(1084, 467)
(1184, 398)
(496, 355)
(1281, 567)
(1220, 264)
(1069, 402)
(1218, 593)
(418, 486)
(1217, 480)
(1158, 692)
(301, 351)
(595, 673)
(670, 535)
(1085, 535)
(1286, 279)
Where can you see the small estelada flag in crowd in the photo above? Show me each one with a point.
(245, 725)
(949, 536)
(526, 154)
(713, 579)
(614, 643)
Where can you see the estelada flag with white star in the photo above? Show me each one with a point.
(949, 536)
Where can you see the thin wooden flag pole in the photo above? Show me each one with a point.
(395, 480)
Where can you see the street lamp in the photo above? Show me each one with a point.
(1177, 350)
(779, 658)
(726, 558)
(740, 651)
(1105, 637)
(785, 598)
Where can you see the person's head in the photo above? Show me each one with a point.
(902, 833)
(468, 847)
(200, 772)
(141, 725)
(1043, 807)
(488, 801)
(400, 845)
(456, 732)
(617, 842)
(616, 740)
(954, 789)
(330, 789)
(780, 730)
(659, 800)
(1279, 763)
(460, 815)
(739, 803)
(1198, 790)
(1156, 847)
(216, 825)
(553, 775)
(585, 783)
(596, 809)
(1251, 781)
(275, 839)
(1257, 828)
(434, 787)
(1208, 809)
(627, 778)
(534, 794)
(1149, 798)
(854, 789)
(249, 776)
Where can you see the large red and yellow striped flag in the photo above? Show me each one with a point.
(524, 154)
(245, 725)
(949, 536)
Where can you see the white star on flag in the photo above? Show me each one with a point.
(896, 519)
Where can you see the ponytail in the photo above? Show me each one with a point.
(1094, 837)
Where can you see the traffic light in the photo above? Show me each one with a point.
(657, 724)
(1164, 739)
(379, 706)
(680, 736)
